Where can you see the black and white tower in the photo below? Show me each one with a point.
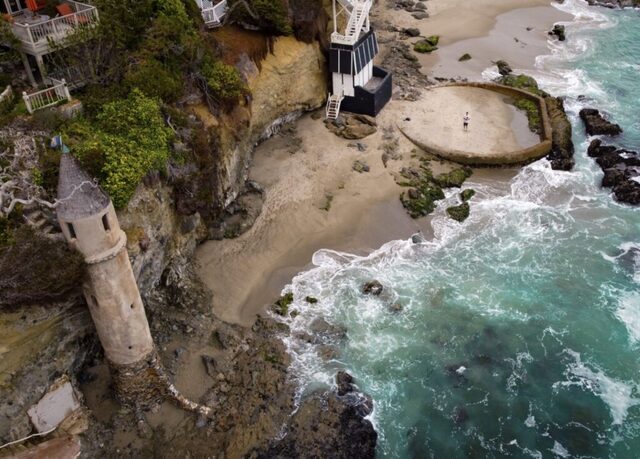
(358, 85)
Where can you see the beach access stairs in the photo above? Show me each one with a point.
(333, 106)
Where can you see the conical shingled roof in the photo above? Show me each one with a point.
(79, 195)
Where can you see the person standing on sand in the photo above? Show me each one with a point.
(465, 121)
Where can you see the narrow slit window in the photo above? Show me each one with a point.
(94, 301)
(105, 223)
(72, 231)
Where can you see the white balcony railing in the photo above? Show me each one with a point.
(35, 35)
(213, 14)
(47, 97)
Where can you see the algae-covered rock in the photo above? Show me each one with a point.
(420, 202)
(459, 213)
(524, 82)
(464, 57)
(454, 178)
(281, 307)
(533, 113)
(433, 40)
(426, 45)
(311, 300)
(562, 148)
(467, 194)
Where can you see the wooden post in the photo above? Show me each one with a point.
(65, 88)
(25, 97)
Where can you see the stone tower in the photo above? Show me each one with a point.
(90, 225)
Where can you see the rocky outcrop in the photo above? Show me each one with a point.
(352, 126)
(559, 31)
(504, 68)
(327, 425)
(562, 148)
(596, 124)
(38, 344)
(615, 3)
(621, 170)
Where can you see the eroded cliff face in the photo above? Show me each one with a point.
(291, 79)
(39, 344)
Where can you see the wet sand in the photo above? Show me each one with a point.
(248, 273)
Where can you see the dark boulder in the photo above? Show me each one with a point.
(613, 176)
(628, 191)
(372, 288)
(559, 31)
(596, 149)
(503, 68)
(344, 381)
(596, 124)
(327, 426)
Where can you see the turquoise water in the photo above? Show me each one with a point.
(520, 329)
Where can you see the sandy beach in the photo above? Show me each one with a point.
(248, 273)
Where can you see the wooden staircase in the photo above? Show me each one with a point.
(358, 11)
(333, 106)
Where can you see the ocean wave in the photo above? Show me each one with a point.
(628, 313)
(618, 395)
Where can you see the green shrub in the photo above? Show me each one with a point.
(269, 15)
(127, 141)
(154, 80)
(224, 81)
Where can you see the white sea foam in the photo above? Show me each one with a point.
(628, 313)
(559, 450)
(618, 395)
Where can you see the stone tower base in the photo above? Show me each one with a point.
(144, 384)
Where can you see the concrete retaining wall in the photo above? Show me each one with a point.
(518, 157)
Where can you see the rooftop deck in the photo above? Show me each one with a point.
(36, 33)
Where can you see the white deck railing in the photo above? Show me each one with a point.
(35, 36)
(213, 14)
(47, 97)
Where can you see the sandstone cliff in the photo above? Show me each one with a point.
(38, 344)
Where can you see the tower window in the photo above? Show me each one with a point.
(94, 301)
(72, 231)
(105, 223)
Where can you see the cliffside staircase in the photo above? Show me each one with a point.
(333, 106)
(358, 12)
